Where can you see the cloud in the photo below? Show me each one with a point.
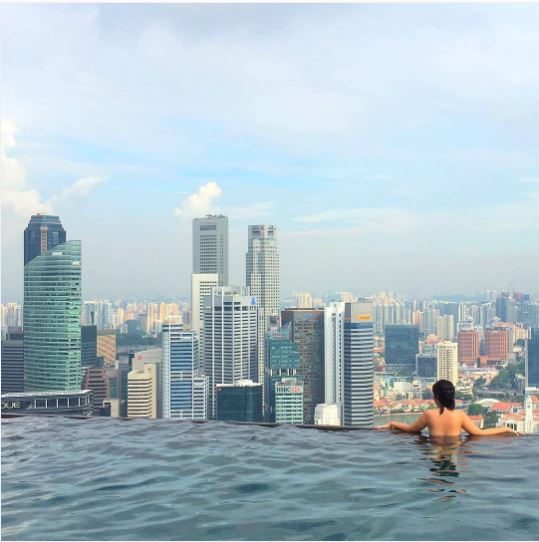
(80, 188)
(201, 202)
(24, 200)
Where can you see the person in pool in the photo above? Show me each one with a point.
(446, 421)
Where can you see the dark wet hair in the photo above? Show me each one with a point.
(444, 391)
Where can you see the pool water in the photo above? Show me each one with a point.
(108, 479)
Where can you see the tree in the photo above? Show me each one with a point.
(490, 419)
(475, 409)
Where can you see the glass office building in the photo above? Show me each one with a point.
(42, 233)
(52, 308)
(401, 347)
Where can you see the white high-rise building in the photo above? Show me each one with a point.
(201, 287)
(333, 352)
(142, 392)
(447, 361)
(230, 339)
(184, 389)
(262, 277)
(445, 327)
(327, 414)
(210, 246)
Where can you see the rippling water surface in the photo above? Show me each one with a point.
(105, 479)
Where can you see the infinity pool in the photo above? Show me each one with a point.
(107, 479)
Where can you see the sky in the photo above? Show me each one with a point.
(395, 147)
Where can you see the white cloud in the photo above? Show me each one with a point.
(24, 200)
(80, 188)
(201, 202)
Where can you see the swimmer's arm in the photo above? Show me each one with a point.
(472, 429)
(415, 427)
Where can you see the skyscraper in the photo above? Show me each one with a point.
(532, 359)
(183, 388)
(142, 392)
(289, 401)
(445, 327)
(282, 361)
(358, 364)
(401, 347)
(42, 233)
(240, 402)
(497, 344)
(88, 335)
(201, 287)
(52, 307)
(262, 276)
(230, 339)
(210, 246)
(333, 353)
(308, 334)
(447, 360)
(468, 346)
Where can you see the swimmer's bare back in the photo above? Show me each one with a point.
(449, 423)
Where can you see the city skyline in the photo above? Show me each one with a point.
(413, 172)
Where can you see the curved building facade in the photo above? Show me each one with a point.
(52, 307)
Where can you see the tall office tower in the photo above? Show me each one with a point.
(96, 380)
(304, 300)
(447, 361)
(230, 339)
(426, 365)
(183, 388)
(532, 359)
(106, 348)
(289, 401)
(333, 353)
(12, 362)
(501, 306)
(88, 338)
(327, 414)
(401, 347)
(42, 233)
(468, 346)
(358, 365)
(52, 307)
(307, 332)
(282, 361)
(201, 287)
(262, 276)
(210, 246)
(487, 313)
(497, 344)
(240, 402)
(445, 327)
(142, 392)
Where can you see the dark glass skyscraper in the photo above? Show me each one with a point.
(13, 362)
(308, 334)
(401, 347)
(88, 346)
(532, 359)
(42, 233)
(239, 402)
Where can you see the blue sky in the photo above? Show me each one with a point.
(395, 147)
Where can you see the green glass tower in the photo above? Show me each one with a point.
(51, 316)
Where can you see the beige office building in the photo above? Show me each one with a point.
(142, 392)
(447, 361)
(106, 347)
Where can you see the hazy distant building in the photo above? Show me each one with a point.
(262, 276)
(240, 402)
(447, 361)
(445, 327)
(142, 392)
(358, 364)
(401, 348)
(12, 363)
(230, 339)
(201, 287)
(210, 246)
(282, 362)
(183, 387)
(468, 346)
(308, 333)
(532, 359)
(304, 300)
(52, 308)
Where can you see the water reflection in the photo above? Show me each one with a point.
(446, 458)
